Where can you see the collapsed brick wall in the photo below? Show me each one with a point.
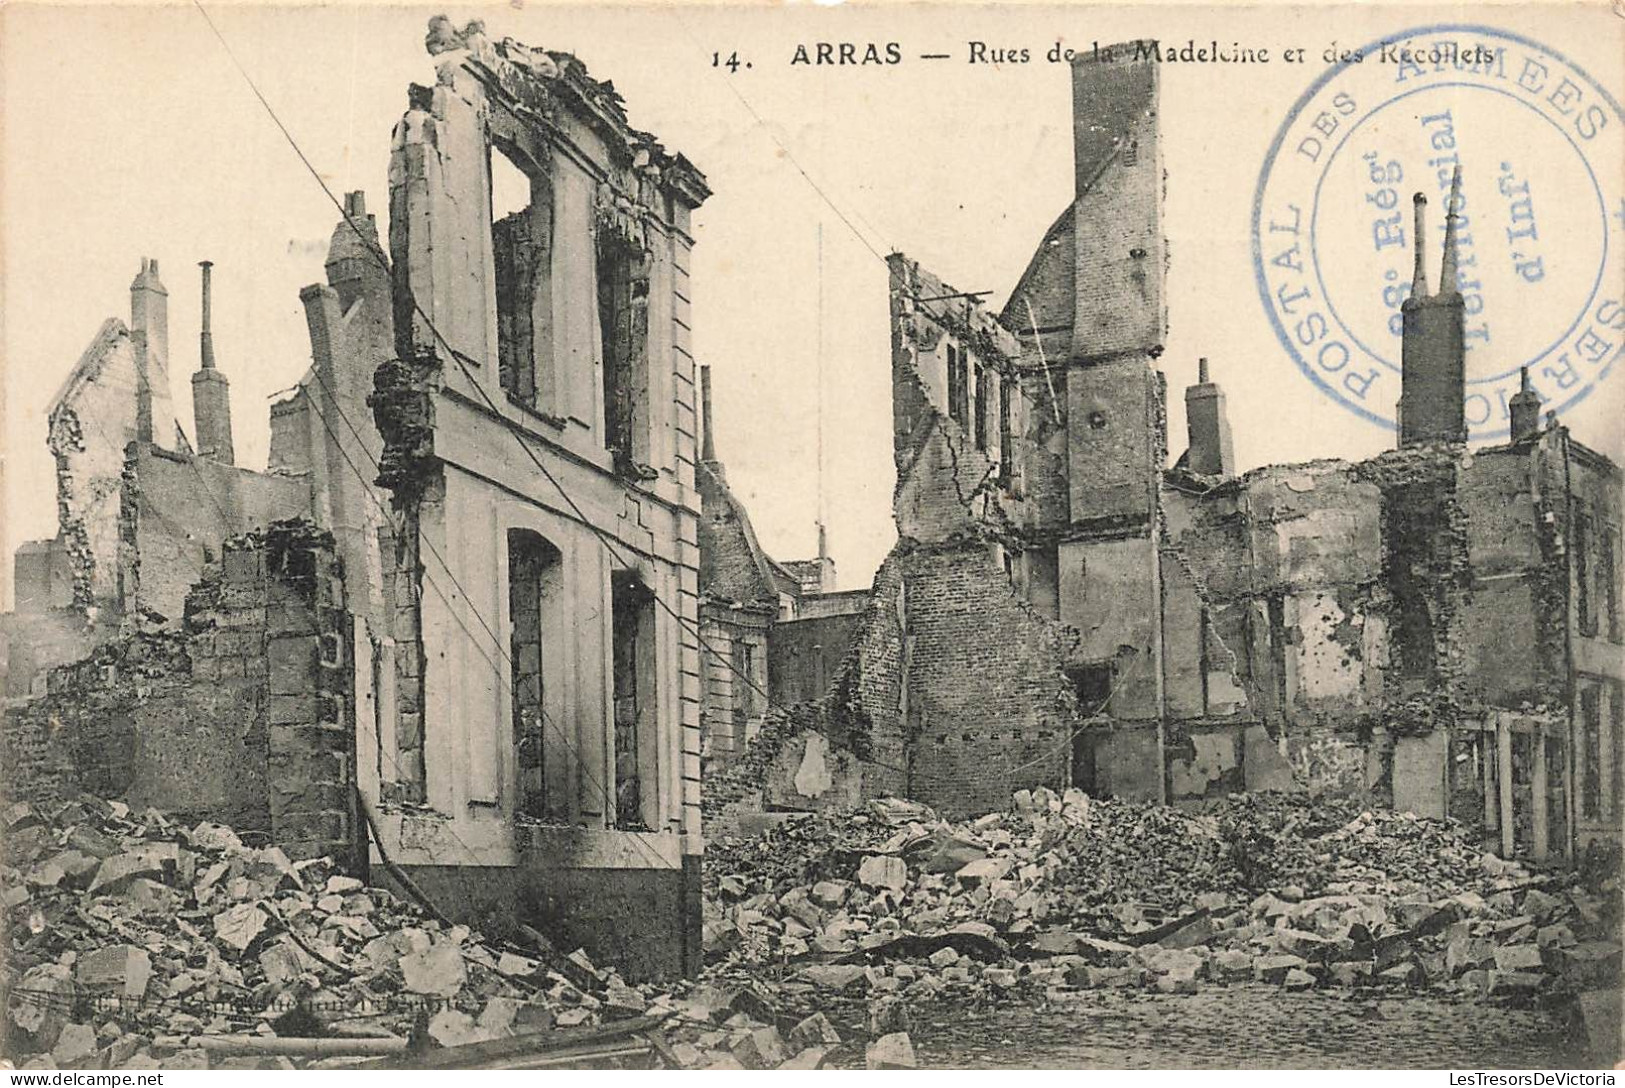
(861, 714)
(952, 694)
(239, 716)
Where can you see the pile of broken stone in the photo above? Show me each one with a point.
(134, 941)
(1066, 893)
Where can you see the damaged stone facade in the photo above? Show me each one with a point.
(549, 774)
(496, 444)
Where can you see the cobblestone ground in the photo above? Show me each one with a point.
(1251, 1027)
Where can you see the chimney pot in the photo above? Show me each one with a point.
(708, 446)
(1419, 279)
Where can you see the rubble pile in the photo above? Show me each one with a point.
(1064, 892)
(133, 941)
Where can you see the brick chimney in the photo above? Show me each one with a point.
(1433, 353)
(1525, 405)
(1211, 452)
(149, 334)
(211, 392)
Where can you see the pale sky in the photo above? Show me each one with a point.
(128, 133)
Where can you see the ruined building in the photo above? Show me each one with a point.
(1437, 628)
(455, 622)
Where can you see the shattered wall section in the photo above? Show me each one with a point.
(92, 420)
(989, 709)
(1289, 558)
(178, 509)
(805, 654)
(955, 391)
(237, 716)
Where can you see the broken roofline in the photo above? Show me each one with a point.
(523, 79)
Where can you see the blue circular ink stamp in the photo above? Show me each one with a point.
(1541, 225)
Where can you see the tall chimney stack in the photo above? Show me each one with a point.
(211, 392)
(149, 335)
(1525, 406)
(206, 338)
(1433, 349)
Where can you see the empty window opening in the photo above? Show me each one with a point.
(1585, 614)
(623, 323)
(958, 403)
(743, 661)
(1092, 684)
(533, 569)
(983, 406)
(1591, 790)
(633, 659)
(1007, 438)
(1608, 579)
(522, 248)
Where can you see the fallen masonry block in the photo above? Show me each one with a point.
(829, 894)
(761, 1049)
(1229, 964)
(76, 1045)
(1056, 942)
(883, 871)
(1189, 932)
(117, 871)
(815, 1031)
(1515, 983)
(944, 957)
(894, 1051)
(1275, 968)
(950, 854)
(983, 871)
(833, 976)
(123, 967)
(1537, 904)
(810, 1058)
(1556, 935)
(1298, 979)
(437, 970)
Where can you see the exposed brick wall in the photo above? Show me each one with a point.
(237, 716)
(805, 654)
(991, 709)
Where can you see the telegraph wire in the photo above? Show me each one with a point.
(458, 358)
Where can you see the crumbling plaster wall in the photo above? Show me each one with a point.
(178, 509)
(1290, 560)
(947, 484)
